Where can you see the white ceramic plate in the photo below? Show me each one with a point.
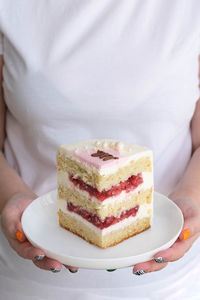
(40, 224)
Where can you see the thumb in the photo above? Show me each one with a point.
(190, 228)
(18, 233)
(11, 224)
(11, 216)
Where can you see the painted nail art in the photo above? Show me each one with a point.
(19, 236)
(73, 271)
(54, 270)
(39, 257)
(139, 272)
(159, 259)
(186, 234)
(111, 270)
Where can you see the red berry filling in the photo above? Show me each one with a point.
(128, 185)
(95, 220)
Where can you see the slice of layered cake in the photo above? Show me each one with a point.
(104, 190)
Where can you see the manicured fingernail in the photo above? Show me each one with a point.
(111, 270)
(39, 257)
(159, 259)
(185, 234)
(139, 272)
(54, 270)
(73, 271)
(19, 236)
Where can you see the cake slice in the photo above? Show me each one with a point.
(104, 190)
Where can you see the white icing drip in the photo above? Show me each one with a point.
(142, 213)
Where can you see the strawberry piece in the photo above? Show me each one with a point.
(128, 185)
(95, 220)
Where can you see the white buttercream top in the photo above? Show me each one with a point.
(105, 156)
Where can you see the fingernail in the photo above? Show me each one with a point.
(54, 270)
(111, 270)
(139, 272)
(19, 236)
(185, 234)
(39, 257)
(73, 271)
(159, 259)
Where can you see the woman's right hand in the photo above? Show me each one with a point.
(11, 222)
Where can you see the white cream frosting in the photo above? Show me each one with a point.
(143, 212)
(63, 180)
(130, 152)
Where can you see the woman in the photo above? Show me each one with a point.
(75, 70)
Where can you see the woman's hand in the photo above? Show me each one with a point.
(11, 223)
(190, 232)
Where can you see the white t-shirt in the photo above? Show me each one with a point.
(77, 70)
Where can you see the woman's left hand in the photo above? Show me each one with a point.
(190, 232)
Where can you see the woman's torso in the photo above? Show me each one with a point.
(83, 69)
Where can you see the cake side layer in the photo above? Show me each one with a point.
(92, 177)
(65, 184)
(112, 238)
(107, 221)
(112, 208)
(127, 186)
(145, 211)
